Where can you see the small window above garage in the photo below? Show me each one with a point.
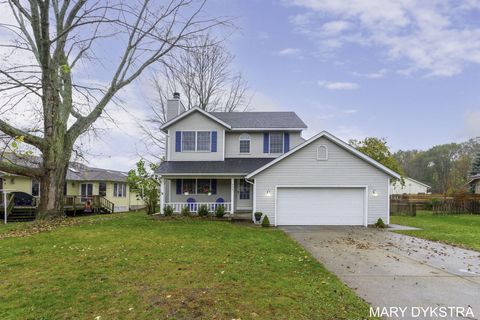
(322, 153)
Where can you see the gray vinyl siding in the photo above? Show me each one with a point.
(232, 145)
(341, 168)
(195, 122)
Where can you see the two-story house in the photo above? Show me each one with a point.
(258, 161)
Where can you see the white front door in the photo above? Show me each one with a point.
(320, 206)
(244, 195)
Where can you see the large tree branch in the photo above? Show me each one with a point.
(7, 166)
(15, 132)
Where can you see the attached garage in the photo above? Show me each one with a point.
(323, 181)
(321, 206)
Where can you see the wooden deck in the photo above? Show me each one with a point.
(74, 205)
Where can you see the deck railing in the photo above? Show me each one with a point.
(212, 206)
(97, 202)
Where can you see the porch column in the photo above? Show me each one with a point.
(162, 194)
(232, 195)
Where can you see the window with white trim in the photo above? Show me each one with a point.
(120, 190)
(204, 186)
(196, 186)
(244, 143)
(203, 140)
(188, 140)
(189, 186)
(322, 153)
(196, 141)
(276, 142)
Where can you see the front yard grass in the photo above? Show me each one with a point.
(131, 266)
(461, 230)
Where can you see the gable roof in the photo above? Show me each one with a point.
(474, 178)
(261, 120)
(247, 120)
(188, 112)
(416, 181)
(338, 142)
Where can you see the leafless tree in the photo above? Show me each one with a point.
(53, 49)
(204, 78)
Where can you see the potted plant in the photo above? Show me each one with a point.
(258, 216)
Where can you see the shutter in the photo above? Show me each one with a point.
(266, 147)
(214, 186)
(178, 141)
(286, 142)
(179, 186)
(214, 142)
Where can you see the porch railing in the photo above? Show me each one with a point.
(212, 206)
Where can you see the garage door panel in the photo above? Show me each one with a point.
(320, 206)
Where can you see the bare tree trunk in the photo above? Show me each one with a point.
(51, 191)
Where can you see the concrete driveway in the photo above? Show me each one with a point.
(391, 270)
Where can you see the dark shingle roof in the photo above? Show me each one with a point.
(76, 171)
(258, 120)
(83, 173)
(230, 165)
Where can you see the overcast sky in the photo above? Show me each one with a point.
(405, 70)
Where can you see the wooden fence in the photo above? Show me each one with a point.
(407, 204)
(456, 206)
(402, 208)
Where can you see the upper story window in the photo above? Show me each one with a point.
(276, 142)
(188, 140)
(196, 141)
(245, 143)
(203, 141)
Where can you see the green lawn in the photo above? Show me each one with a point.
(461, 230)
(130, 266)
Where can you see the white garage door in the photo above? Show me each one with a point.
(320, 206)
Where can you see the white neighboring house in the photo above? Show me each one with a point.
(411, 186)
(258, 161)
(475, 182)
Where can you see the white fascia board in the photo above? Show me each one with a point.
(267, 129)
(186, 113)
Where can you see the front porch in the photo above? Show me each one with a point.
(233, 193)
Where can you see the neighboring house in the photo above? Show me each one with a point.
(411, 186)
(475, 183)
(83, 182)
(258, 161)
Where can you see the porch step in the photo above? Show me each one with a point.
(20, 215)
(242, 216)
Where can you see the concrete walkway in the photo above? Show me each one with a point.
(392, 270)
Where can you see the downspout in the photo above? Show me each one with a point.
(254, 198)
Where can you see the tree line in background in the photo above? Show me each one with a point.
(446, 167)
